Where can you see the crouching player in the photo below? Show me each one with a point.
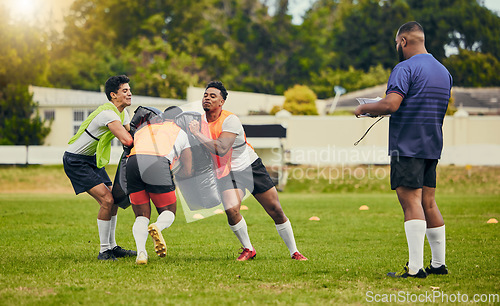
(157, 144)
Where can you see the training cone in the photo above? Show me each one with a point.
(314, 218)
(244, 207)
(363, 207)
(218, 211)
(492, 220)
(198, 216)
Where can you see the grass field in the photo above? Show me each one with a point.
(49, 244)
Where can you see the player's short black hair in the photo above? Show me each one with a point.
(114, 83)
(410, 27)
(219, 86)
(171, 112)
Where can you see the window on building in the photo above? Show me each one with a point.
(79, 115)
(49, 114)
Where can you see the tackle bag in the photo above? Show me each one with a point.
(200, 190)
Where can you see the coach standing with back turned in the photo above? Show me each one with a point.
(417, 98)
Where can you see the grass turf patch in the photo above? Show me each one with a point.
(301, 179)
(50, 244)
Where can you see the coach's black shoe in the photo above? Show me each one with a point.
(106, 255)
(119, 252)
(405, 273)
(439, 270)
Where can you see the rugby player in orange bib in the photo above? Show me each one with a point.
(156, 145)
(238, 168)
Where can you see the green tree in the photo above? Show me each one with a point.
(259, 46)
(300, 100)
(21, 123)
(87, 70)
(473, 69)
(365, 32)
(23, 61)
(158, 46)
(463, 24)
(167, 45)
(313, 53)
(158, 70)
(23, 52)
(351, 79)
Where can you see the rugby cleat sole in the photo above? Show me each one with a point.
(160, 246)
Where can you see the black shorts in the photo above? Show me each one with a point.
(255, 178)
(83, 173)
(150, 173)
(413, 172)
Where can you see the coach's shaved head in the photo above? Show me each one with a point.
(410, 40)
(413, 30)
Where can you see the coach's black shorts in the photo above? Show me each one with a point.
(413, 172)
(150, 173)
(83, 173)
(255, 178)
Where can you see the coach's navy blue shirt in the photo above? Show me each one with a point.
(415, 129)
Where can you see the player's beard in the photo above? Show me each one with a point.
(205, 106)
(400, 53)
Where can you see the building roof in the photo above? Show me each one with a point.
(57, 97)
(482, 100)
(474, 100)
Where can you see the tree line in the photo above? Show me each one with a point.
(167, 45)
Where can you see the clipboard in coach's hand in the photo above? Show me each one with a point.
(367, 101)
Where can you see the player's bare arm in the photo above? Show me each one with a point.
(387, 105)
(186, 159)
(121, 133)
(219, 146)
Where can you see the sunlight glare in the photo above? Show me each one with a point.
(23, 9)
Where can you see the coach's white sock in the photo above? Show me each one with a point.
(437, 240)
(286, 233)
(415, 235)
(165, 219)
(241, 231)
(104, 226)
(112, 229)
(140, 232)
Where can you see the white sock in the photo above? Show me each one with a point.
(165, 219)
(112, 229)
(415, 235)
(286, 233)
(140, 232)
(104, 227)
(437, 240)
(241, 231)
